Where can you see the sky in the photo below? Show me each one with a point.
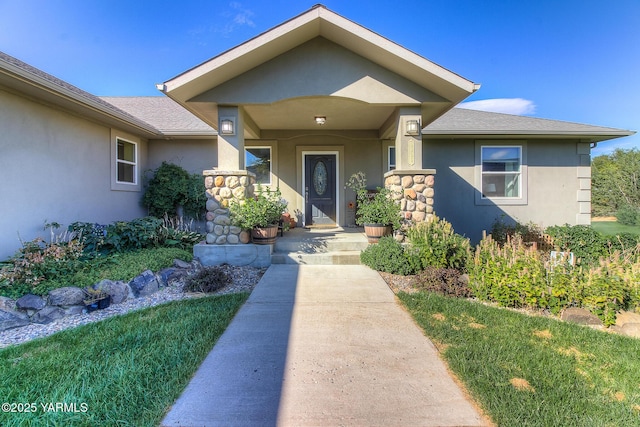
(572, 60)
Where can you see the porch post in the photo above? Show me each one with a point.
(231, 146)
(412, 186)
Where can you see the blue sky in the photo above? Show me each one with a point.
(573, 60)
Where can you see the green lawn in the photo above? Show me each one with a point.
(533, 371)
(611, 228)
(124, 371)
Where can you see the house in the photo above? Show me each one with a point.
(303, 105)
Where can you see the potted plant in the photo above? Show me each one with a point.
(376, 211)
(259, 214)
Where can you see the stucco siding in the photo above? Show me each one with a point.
(194, 155)
(552, 185)
(55, 167)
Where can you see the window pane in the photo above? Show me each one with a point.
(126, 151)
(501, 185)
(500, 159)
(126, 172)
(392, 158)
(258, 161)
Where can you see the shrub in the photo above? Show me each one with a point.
(209, 279)
(390, 256)
(444, 281)
(437, 245)
(586, 243)
(501, 231)
(172, 186)
(628, 215)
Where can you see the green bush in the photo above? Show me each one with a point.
(628, 215)
(436, 245)
(586, 243)
(501, 231)
(172, 186)
(390, 256)
(209, 279)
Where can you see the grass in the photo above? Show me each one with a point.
(533, 371)
(125, 371)
(612, 228)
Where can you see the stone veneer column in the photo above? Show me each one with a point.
(414, 189)
(222, 187)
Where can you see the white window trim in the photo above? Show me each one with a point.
(480, 198)
(135, 163)
(389, 165)
(271, 161)
(113, 155)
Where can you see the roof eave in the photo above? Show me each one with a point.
(586, 137)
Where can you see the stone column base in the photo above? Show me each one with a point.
(414, 189)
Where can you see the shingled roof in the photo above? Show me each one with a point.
(464, 122)
(164, 114)
(25, 78)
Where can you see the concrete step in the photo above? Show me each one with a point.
(346, 257)
(320, 245)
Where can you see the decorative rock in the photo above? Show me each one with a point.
(209, 216)
(393, 180)
(209, 182)
(30, 302)
(429, 180)
(625, 317)
(419, 188)
(421, 207)
(66, 296)
(10, 319)
(47, 315)
(232, 239)
(411, 205)
(219, 181)
(245, 237)
(218, 230)
(429, 201)
(211, 238)
(417, 216)
(429, 209)
(178, 263)
(221, 240)
(421, 198)
(212, 205)
(74, 310)
(410, 194)
(221, 212)
(226, 193)
(235, 230)
(232, 181)
(210, 226)
(118, 291)
(239, 193)
(628, 329)
(581, 317)
(145, 284)
(418, 179)
(7, 304)
(407, 181)
(428, 192)
(222, 220)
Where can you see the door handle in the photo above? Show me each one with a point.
(306, 194)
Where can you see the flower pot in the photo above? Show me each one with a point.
(264, 235)
(375, 231)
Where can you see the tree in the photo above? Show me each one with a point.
(615, 181)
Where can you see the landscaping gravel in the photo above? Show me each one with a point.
(244, 279)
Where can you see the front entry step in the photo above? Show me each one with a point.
(320, 246)
(321, 258)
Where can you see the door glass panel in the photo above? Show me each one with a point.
(320, 178)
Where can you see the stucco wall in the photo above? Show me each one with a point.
(553, 186)
(55, 167)
(194, 155)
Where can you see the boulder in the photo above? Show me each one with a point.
(7, 304)
(74, 310)
(580, 316)
(145, 284)
(165, 274)
(47, 315)
(628, 329)
(118, 291)
(67, 296)
(178, 263)
(30, 302)
(10, 319)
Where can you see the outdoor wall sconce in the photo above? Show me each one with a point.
(412, 127)
(320, 120)
(227, 127)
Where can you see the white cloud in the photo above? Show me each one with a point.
(517, 106)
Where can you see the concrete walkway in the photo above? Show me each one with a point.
(322, 346)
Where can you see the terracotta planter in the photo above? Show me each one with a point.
(264, 235)
(375, 231)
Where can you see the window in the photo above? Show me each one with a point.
(391, 158)
(501, 171)
(258, 161)
(126, 162)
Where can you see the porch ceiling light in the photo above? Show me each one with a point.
(320, 120)
(227, 127)
(412, 127)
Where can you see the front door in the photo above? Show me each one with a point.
(320, 189)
